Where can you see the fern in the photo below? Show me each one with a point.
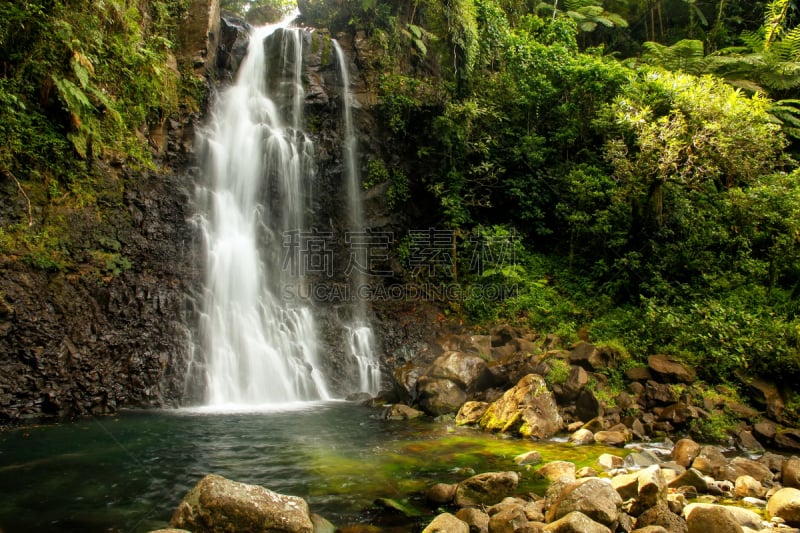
(685, 55)
(788, 47)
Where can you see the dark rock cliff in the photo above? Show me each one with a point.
(74, 343)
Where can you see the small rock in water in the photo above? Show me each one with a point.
(528, 458)
(755, 502)
(608, 461)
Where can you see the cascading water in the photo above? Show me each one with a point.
(359, 336)
(259, 165)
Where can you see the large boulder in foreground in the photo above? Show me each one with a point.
(217, 505)
(528, 408)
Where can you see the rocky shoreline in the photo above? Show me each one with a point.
(516, 383)
(686, 488)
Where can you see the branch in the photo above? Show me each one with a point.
(27, 198)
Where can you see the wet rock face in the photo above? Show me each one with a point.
(75, 343)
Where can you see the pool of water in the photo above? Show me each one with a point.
(129, 472)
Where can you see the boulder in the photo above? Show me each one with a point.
(322, 524)
(581, 437)
(709, 461)
(656, 394)
(670, 370)
(587, 406)
(679, 413)
(712, 518)
(578, 378)
(748, 486)
(790, 473)
(400, 411)
(641, 459)
(612, 438)
(690, 478)
(773, 461)
(742, 411)
(446, 523)
(486, 489)
(219, 504)
(592, 497)
(626, 485)
(785, 504)
(441, 493)
(662, 516)
(405, 381)
(788, 440)
(528, 409)
(608, 461)
(744, 517)
(765, 431)
(477, 520)
(557, 471)
(638, 373)
(470, 413)
(467, 370)
(575, 522)
(765, 394)
(477, 344)
(508, 519)
(503, 334)
(440, 396)
(650, 529)
(747, 442)
(652, 488)
(528, 458)
(742, 466)
(591, 357)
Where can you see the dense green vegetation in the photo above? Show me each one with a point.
(647, 206)
(81, 85)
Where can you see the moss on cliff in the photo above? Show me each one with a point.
(82, 85)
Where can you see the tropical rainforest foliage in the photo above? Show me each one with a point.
(638, 157)
(81, 85)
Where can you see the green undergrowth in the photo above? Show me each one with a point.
(81, 86)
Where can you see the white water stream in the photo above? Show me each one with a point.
(259, 167)
(359, 336)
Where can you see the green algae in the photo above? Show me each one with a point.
(427, 453)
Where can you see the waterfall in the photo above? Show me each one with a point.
(259, 349)
(360, 339)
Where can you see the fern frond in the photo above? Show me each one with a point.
(577, 5)
(753, 39)
(686, 55)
